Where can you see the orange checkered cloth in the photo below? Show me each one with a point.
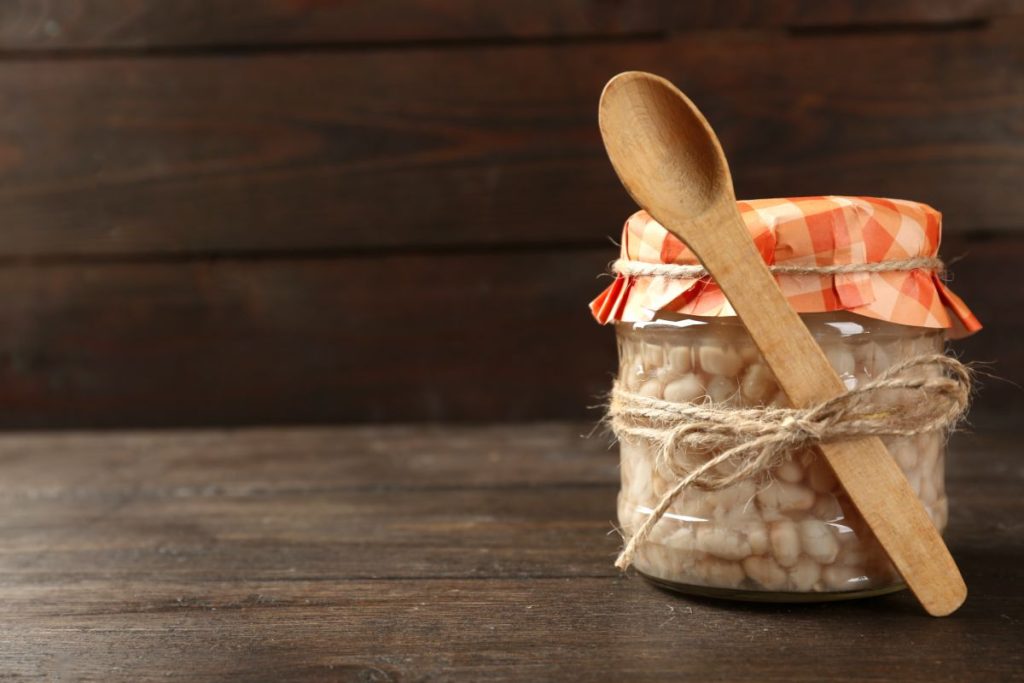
(804, 231)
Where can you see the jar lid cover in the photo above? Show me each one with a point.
(800, 234)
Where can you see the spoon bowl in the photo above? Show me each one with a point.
(682, 162)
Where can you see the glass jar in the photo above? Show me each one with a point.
(794, 535)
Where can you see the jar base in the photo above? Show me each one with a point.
(740, 595)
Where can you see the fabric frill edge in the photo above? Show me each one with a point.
(701, 297)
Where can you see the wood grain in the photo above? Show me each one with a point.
(394, 337)
(991, 285)
(310, 151)
(209, 595)
(839, 14)
(195, 194)
(133, 24)
(460, 335)
(349, 504)
(143, 24)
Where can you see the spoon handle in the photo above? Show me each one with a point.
(871, 477)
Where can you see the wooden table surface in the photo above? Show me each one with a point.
(430, 553)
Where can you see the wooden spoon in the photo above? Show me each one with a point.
(672, 164)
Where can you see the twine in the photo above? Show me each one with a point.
(677, 271)
(902, 401)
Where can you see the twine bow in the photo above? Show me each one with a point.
(913, 397)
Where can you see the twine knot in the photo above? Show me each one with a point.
(916, 396)
(802, 429)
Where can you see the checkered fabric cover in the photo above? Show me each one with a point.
(804, 231)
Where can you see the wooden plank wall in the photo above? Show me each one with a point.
(282, 211)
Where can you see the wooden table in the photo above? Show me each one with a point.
(429, 553)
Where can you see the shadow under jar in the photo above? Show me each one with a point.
(792, 535)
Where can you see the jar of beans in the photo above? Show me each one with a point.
(790, 533)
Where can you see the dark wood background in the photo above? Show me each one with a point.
(287, 211)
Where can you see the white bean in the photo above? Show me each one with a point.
(651, 388)
(790, 471)
(758, 383)
(804, 575)
(783, 496)
(715, 572)
(842, 578)
(757, 537)
(766, 572)
(680, 359)
(785, 540)
(722, 542)
(657, 560)
(683, 538)
(684, 564)
(654, 355)
(664, 374)
(736, 497)
(826, 508)
(817, 541)
(685, 389)
(722, 388)
(720, 360)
